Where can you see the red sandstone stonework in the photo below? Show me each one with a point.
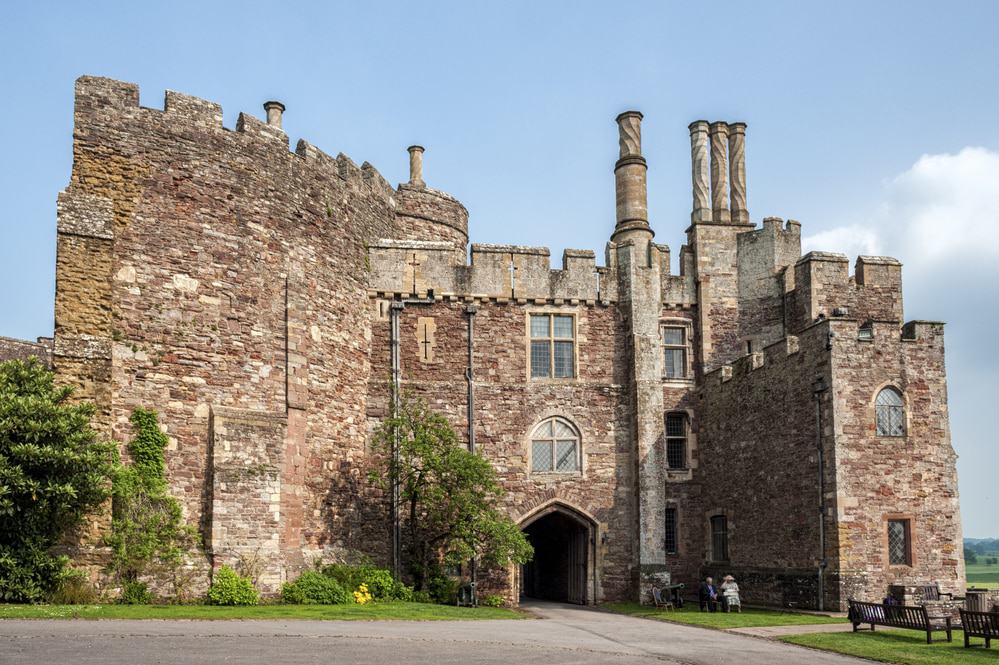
(244, 292)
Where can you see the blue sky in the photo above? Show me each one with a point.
(873, 123)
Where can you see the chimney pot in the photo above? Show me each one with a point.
(630, 181)
(416, 166)
(274, 111)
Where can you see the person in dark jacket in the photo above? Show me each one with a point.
(707, 594)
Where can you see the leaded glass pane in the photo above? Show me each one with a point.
(563, 327)
(673, 336)
(540, 359)
(719, 538)
(674, 424)
(541, 456)
(889, 413)
(888, 397)
(676, 363)
(563, 360)
(563, 431)
(544, 430)
(565, 456)
(898, 548)
(676, 453)
(539, 325)
(671, 530)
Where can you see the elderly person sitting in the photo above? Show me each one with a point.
(730, 594)
(707, 594)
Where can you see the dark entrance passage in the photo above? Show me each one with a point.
(558, 571)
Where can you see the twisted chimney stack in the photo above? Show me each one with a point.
(630, 179)
(701, 211)
(724, 202)
(737, 171)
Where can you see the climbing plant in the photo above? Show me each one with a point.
(147, 526)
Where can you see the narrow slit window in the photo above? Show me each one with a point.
(719, 538)
(671, 533)
(899, 543)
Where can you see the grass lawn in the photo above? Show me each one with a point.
(980, 575)
(748, 618)
(352, 612)
(900, 646)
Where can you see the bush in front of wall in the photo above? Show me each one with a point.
(228, 588)
(314, 588)
(134, 592)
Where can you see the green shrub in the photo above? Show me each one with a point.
(443, 589)
(421, 597)
(74, 589)
(134, 592)
(312, 587)
(402, 592)
(54, 470)
(492, 600)
(228, 588)
(381, 585)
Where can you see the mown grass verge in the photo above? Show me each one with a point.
(748, 618)
(907, 647)
(379, 611)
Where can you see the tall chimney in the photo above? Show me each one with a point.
(737, 171)
(274, 111)
(630, 180)
(719, 172)
(416, 166)
(701, 211)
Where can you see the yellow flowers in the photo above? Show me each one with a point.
(362, 595)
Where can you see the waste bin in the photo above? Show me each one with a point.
(977, 600)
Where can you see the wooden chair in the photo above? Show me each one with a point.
(662, 603)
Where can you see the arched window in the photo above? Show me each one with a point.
(555, 447)
(889, 413)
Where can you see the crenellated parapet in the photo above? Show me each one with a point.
(824, 288)
(505, 273)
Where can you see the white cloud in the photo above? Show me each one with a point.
(945, 208)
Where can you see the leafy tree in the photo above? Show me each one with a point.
(54, 469)
(147, 526)
(448, 495)
(970, 556)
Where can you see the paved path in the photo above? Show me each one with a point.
(779, 631)
(565, 635)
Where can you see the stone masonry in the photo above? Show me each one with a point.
(254, 295)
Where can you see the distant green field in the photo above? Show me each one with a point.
(981, 575)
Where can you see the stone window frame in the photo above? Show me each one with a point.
(910, 521)
(708, 530)
(686, 440)
(671, 506)
(551, 312)
(872, 411)
(555, 474)
(688, 328)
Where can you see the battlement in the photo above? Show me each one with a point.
(497, 272)
(104, 102)
(763, 254)
(824, 288)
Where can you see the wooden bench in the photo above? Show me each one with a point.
(898, 616)
(979, 624)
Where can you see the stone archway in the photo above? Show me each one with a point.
(563, 566)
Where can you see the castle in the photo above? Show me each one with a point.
(761, 413)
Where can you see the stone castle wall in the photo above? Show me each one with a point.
(17, 349)
(245, 292)
(203, 270)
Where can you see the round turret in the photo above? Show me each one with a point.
(423, 213)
